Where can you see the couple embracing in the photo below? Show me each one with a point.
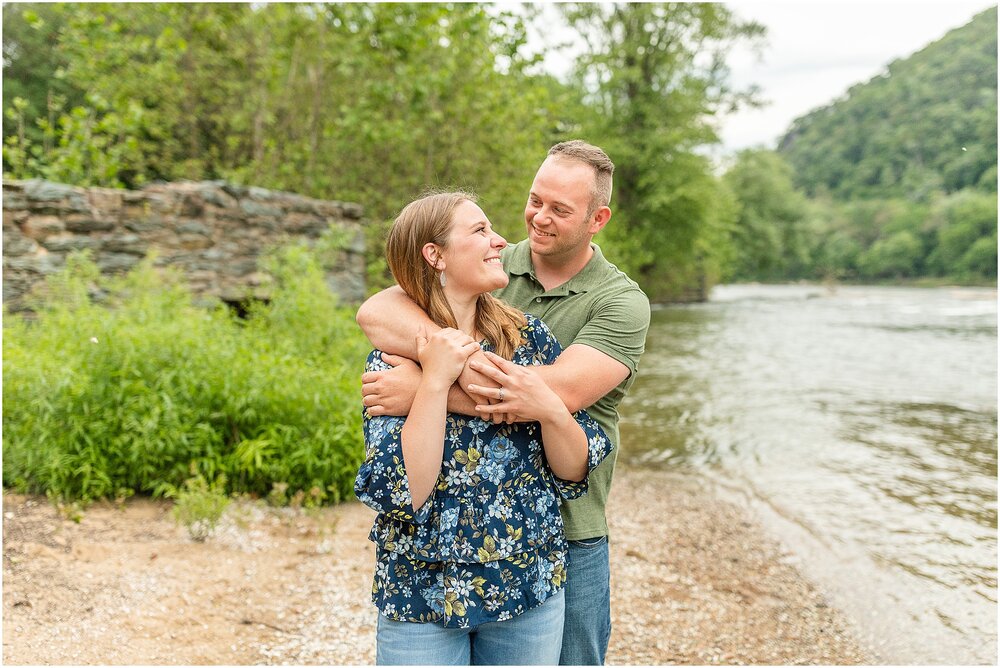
(491, 424)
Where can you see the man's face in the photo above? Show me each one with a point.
(556, 212)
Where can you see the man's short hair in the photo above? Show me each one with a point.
(581, 151)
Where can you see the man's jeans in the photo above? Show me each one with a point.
(529, 639)
(588, 604)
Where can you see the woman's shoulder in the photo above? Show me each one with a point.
(537, 340)
(534, 327)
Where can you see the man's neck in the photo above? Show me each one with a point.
(553, 271)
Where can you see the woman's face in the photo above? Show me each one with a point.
(472, 257)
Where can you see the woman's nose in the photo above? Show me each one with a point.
(498, 241)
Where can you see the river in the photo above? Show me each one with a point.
(860, 425)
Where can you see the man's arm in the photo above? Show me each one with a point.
(580, 376)
(603, 353)
(392, 321)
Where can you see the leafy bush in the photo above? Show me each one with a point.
(199, 506)
(125, 385)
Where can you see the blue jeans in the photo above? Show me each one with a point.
(588, 604)
(529, 639)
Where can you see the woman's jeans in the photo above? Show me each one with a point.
(532, 638)
(588, 603)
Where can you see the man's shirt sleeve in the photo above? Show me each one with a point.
(617, 327)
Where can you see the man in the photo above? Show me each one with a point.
(600, 317)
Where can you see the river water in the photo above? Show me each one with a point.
(860, 424)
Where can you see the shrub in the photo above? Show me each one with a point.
(199, 506)
(142, 390)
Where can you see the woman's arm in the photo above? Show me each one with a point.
(442, 356)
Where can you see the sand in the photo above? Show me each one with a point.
(695, 580)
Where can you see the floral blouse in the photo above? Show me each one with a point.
(489, 543)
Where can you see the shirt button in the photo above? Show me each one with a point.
(538, 299)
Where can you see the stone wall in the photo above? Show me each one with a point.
(213, 231)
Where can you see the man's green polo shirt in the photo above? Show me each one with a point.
(602, 308)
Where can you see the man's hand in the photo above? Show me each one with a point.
(470, 376)
(520, 391)
(391, 392)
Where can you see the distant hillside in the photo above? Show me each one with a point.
(928, 124)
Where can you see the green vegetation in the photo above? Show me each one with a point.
(199, 506)
(372, 103)
(653, 78)
(144, 390)
(900, 176)
(927, 125)
(126, 386)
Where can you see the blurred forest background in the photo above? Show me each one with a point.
(372, 102)
(144, 392)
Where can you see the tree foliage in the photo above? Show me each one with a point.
(769, 233)
(927, 125)
(653, 77)
(364, 102)
(375, 102)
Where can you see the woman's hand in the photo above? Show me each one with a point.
(522, 393)
(443, 355)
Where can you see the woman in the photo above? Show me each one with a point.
(471, 555)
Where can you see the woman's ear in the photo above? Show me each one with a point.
(432, 254)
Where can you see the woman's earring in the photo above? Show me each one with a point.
(441, 277)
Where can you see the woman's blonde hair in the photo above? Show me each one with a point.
(429, 220)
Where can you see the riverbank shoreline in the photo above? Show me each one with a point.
(695, 580)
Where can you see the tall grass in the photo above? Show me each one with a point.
(143, 389)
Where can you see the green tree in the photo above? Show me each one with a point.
(965, 227)
(654, 76)
(363, 102)
(769, 236)
(33, 71)
(897, 256)
(925, 126)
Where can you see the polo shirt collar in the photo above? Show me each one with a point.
(586, 279)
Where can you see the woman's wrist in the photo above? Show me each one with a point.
(435, 383)
(556, 416)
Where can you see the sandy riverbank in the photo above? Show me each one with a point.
(694, 580)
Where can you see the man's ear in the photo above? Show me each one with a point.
(432, 254)
(599, 220)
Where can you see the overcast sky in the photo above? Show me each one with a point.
(815, 50)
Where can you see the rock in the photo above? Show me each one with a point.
(194, 242)
(39, 227)
(116, 262)
(145, 223)
(193, 227)
(192, 206)
(214, 194)
(64, 243)
(252, 208)
(132, 244)
(353, 211)
(84, 223)
(15, 244)
(46, 191)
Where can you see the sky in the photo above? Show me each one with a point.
(817, 50)
(814, 51)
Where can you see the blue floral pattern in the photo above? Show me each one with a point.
(489, 543)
